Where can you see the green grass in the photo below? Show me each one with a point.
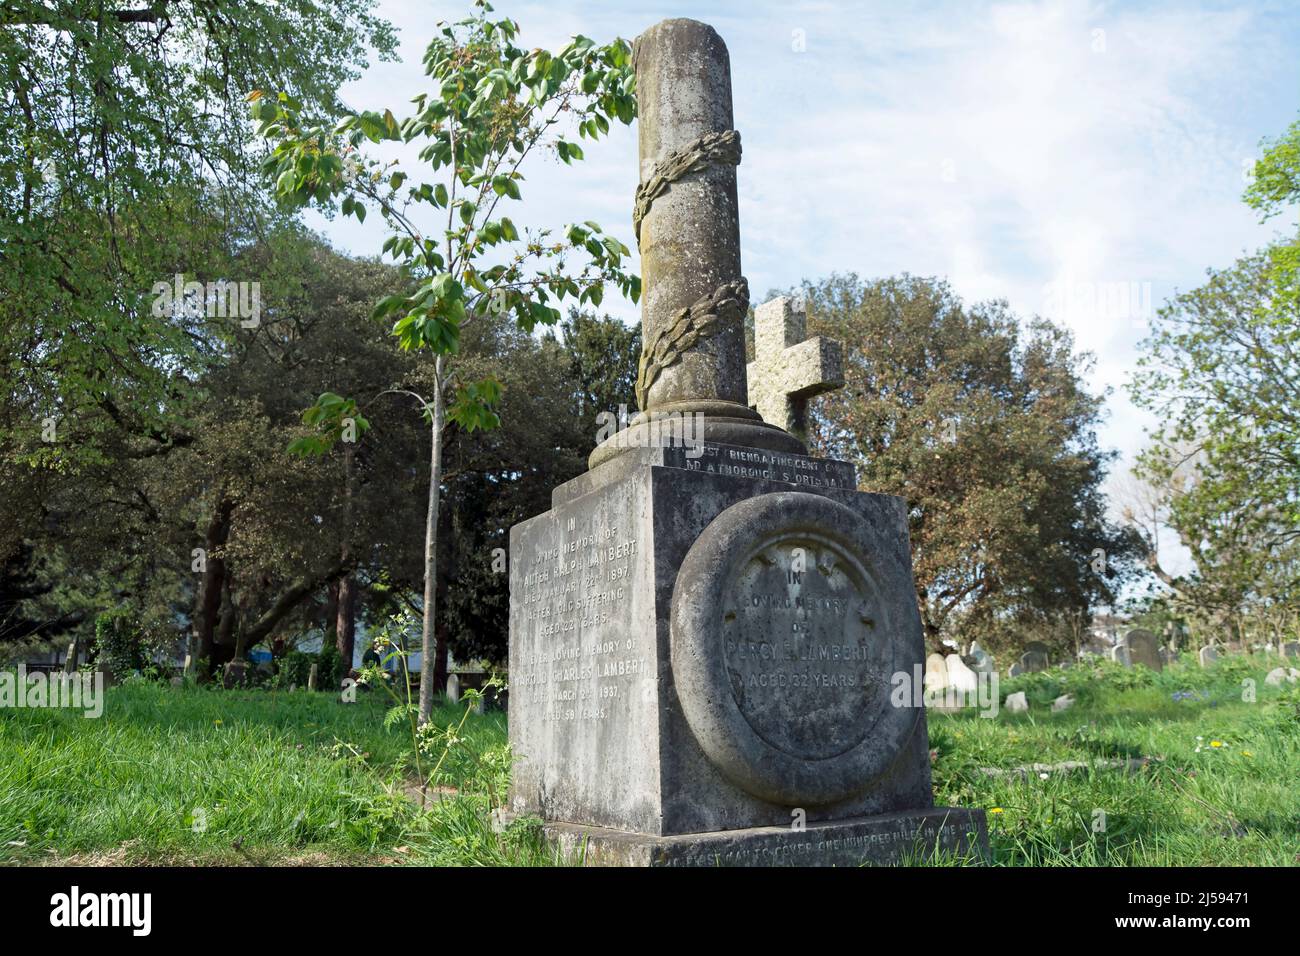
(295, 777)
(303, 778)
(1224, 789)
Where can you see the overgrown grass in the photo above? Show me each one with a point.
(1223, 787)
(285, 778)
(171, 775)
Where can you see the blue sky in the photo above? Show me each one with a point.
(1081, 160)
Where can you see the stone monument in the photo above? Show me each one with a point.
(715, 649)
(1144, 648)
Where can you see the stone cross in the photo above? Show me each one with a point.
(788, 368)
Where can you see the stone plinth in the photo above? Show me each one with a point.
(713, 644)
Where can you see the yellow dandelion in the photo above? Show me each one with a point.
(1216, 743)
(217, 721)
(996, 810)
(1247, 753)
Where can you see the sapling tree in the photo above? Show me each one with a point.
(492, 106)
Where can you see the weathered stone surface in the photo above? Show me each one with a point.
(1280, 675)
(70, 659)
(1064, 702)
(960, 676)
(709, 643)
(690, 236)
(1208, 655)
(694, 297)
(882, 840)
(1144, 648)
(936, 673)
(789, 368)
(1291, 649)
(984, 661)
(1017, 703)
(1033, 661)
(604, 733)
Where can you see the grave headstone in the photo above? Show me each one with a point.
(1280, 675)
(984, 661)
(1033, 661)
(70, 659)
(704, 639)
(1208, 655)
(936, 673)
(1017, 703)
(960, 677)
(312, 676)
(1064, 702)
(1120, 654)
(1144, 648)
(1291, 649)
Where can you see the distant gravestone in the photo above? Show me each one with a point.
(1033, 661)
(312, 677)
(1208, 655)
(1064, 702)
(936, 673)
(234, 674)
(1291, 649)
(1279, 675)
(453, 689)
(1017, 703)
(984, 662)
(1120, 654)
(187, 669)
(70, 659)
(1144, 648)
(960, 677)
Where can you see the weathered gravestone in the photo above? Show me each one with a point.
(1291, 649)
(1034, 658)
(312, 676)
(1144, 648)
(936, 673)
(1120, 654)
(706, 643)
(984, 662)
(1208, 655)
(70, 659)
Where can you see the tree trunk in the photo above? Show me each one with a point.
(345, 622)
(428, 650)
(207, 603)
(345, 628)
(329, 623)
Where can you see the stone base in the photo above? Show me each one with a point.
(888, 839)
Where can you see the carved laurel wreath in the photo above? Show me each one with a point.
(711, 149)
(703, 319)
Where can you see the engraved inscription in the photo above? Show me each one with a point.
(578, 665)
(804, 657)
(766, 465)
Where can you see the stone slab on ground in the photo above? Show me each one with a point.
(886, 839)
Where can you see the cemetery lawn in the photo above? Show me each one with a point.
(283, 779)
(1223, 789)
